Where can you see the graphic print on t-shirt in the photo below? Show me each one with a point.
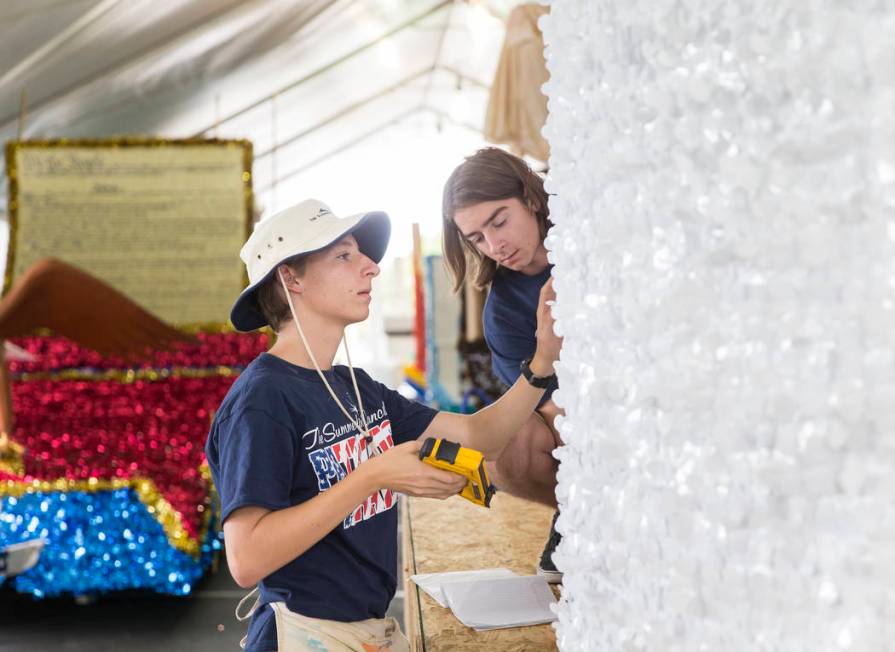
(334, 462)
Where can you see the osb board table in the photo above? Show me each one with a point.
(454, 534)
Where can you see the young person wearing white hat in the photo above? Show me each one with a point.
(308, 457)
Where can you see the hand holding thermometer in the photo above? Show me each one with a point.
(447, 455)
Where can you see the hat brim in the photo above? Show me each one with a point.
(372, 232)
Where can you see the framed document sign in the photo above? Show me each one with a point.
(160, 220)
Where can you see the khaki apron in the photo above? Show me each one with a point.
(297, 633)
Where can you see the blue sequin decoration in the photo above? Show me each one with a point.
(98, 542)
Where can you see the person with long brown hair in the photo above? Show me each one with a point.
(495, 218)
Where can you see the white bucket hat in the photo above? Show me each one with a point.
(302, 229)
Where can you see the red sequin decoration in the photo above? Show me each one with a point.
(106, 429)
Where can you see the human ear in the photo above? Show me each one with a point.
(287, 277)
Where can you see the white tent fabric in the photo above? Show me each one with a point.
(305, 80)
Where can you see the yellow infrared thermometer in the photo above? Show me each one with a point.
(447, 455)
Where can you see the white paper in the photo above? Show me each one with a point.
(433, 583)
(501, 602)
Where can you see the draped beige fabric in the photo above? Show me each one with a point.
(517, 109)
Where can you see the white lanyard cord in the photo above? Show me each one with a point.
(362, 427)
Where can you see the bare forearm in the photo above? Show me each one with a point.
(492, 428)
(257, 549)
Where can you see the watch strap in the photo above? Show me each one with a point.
(541, 382)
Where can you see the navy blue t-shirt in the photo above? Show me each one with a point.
(278, 439)
(511, 321)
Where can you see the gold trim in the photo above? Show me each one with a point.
(211, 508)
(247, 157)
(11, 455)
(12, 204)
(218, 328)
(215, 328)
(194, 328)
(128, 376)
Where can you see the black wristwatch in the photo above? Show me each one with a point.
(541, 382)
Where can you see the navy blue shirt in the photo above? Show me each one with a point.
(278, 439)
(511, 321)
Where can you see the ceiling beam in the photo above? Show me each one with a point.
(348, 109)
(58, 40)
(8, 119)
(438, 49)
(370, 98)
(342, 148)
(401, 117)
(327, 67)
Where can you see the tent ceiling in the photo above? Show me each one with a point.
(302, 80)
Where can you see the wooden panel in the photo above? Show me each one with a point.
(452, 535)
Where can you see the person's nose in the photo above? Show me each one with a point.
(494, 244)
(369, 267)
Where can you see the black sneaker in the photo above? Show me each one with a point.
(546, 567)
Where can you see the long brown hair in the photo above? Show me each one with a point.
(490, 174)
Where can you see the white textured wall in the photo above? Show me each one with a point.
(724, 179)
